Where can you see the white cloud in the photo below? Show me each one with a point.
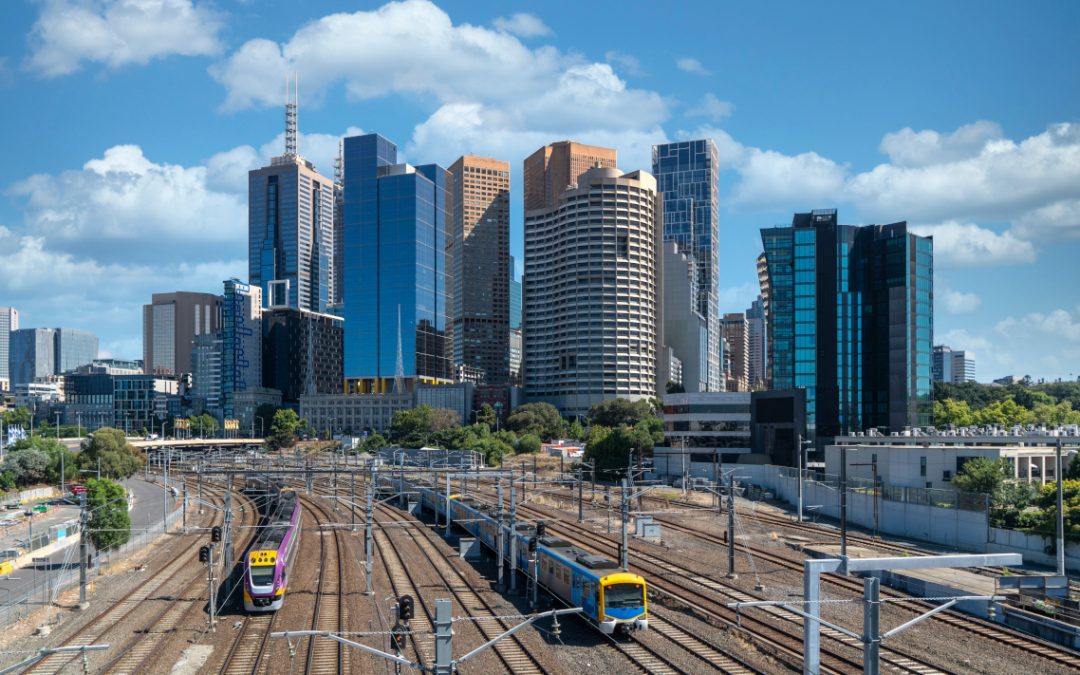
(712, 108)
(1004, 179)
(691, 65)
(968, 245)
(412, 48)
(125, 206)
(628, 63)
(522, 24)
(119, 32)
(773, 179)
(958, 302)
(119, 289)
(961, 339)
(1052, 222)
(909, 148)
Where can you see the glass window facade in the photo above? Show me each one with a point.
(688, 177)
(395, 265)
(851, 321)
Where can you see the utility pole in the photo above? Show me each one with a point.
(731, 525)
(185, 507)
(198, 473)
(624, 551)
(227, 558)
(580, 499)
(352, 501)
(210, 580)
(799, 464)
(843, 505)
(444, 635)
(368, 534)
(1060, 513)
(513, 539)
(84, 520)
(871, 626)
(502, 531)
(165, 503)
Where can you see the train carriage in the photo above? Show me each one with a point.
(613, 599)
(269, 560)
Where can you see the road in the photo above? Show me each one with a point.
(35, 579)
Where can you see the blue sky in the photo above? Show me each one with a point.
(130, 126)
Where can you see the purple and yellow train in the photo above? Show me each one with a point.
(270, 558)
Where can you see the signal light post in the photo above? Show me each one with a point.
(513, 539)
(206, 556)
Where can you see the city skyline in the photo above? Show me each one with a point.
(112, 204)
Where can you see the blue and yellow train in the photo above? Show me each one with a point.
(613, 599)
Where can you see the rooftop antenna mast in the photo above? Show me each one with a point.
(292, 113)
(339, 164)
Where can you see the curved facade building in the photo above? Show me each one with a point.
(592, 292)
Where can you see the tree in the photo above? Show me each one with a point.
(610, 448)
(486, 415)
(205, 424)
(1006, 412)
(373, 443)
(576, 431)
(1046, 521)
(616, 411)
(283, 429)
(119, 459)
(1055, 414)
(19, 417)
(951, 411)
(982, 475)
(493, 449)
(539, 419)
(418, 427)
(110, 526)
(53, 451)
(529, 444)
(27, 466)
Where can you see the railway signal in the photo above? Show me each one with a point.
(405, 610)
(541, 529)
(532, 545)
(215, 534)
(204, 554)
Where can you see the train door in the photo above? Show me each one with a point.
(589, 591)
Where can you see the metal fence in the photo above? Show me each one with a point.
(47, 584)
(946, 499)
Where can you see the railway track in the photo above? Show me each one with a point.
(684, 586)
(1026, 643)
(246, 653)
(646, 657)
(323, 655)
(135, 649)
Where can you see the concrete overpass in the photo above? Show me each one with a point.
(197, 443)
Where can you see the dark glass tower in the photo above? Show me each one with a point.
(851, 321)
(396, 219)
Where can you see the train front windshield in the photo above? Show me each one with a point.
(262, 575)
(626, 596)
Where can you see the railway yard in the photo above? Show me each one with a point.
(153, 612)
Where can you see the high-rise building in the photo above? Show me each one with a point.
(395, 272)
(339, 228)
(593, 326)
(74, 348)
(206, 373)
(688, 176)
(756, 369)
(480, 270)
(9, 321)
(955, 367)
(737, 336)
(851, 320)
(685, 329)
(291, 229)
(241, 336)
(170, 322)
(31, 355)
(302, 353)
(554, 168)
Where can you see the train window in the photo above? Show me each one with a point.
(623, 595)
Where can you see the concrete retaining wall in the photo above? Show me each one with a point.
(1033, 547)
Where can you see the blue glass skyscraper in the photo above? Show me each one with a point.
(688, 177)
(850, 313)
(395, 222)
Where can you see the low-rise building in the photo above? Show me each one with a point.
(248, 401)
(456, 397)
(932, 461)
(353, 413)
